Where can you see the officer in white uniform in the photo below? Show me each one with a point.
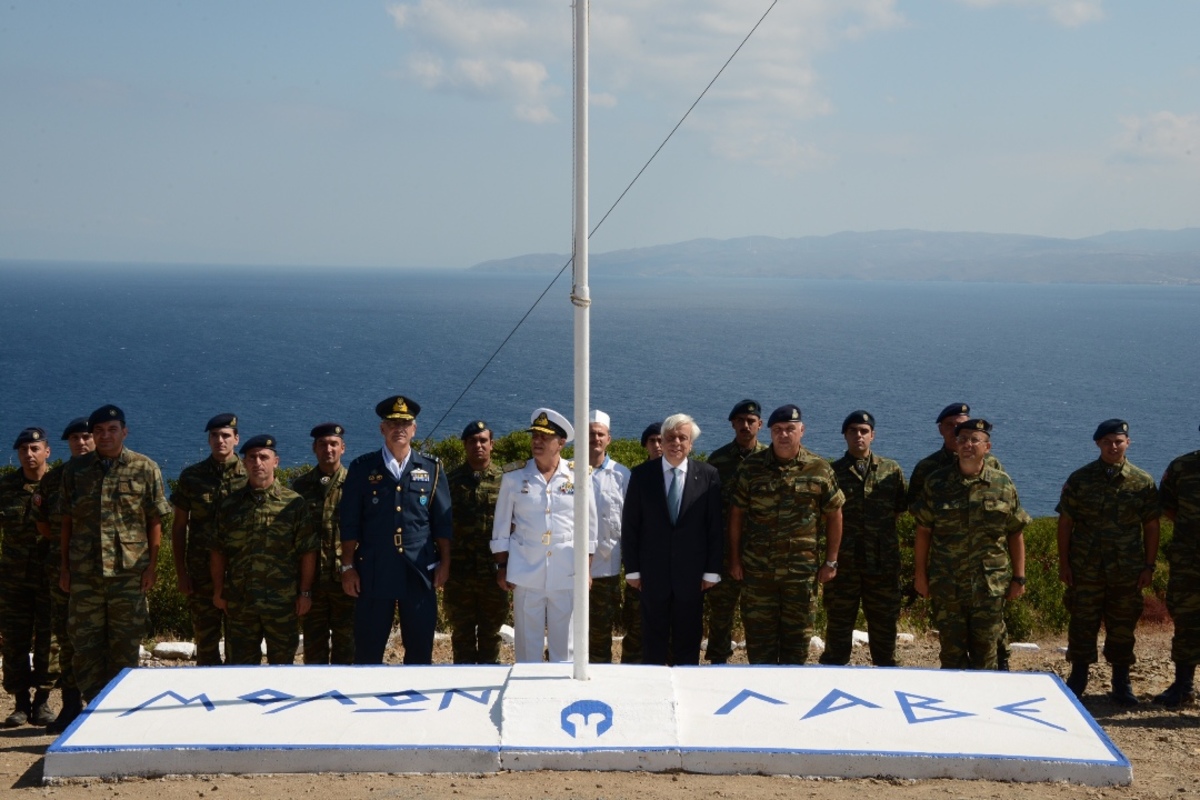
(609, 481)
(533, 540)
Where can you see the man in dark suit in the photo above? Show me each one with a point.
(395, 529)
(672, 541)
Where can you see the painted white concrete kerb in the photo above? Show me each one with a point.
(834, 721)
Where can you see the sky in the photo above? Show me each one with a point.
(438, 133)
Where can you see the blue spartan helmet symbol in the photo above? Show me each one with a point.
(586, 708)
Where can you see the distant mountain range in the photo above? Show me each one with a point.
(1143, 256)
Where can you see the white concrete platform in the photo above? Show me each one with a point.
(831, 721)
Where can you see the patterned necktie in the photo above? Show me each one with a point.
(673, 495)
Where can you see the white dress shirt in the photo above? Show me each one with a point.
(609, 482)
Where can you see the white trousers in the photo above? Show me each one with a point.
(541, 617)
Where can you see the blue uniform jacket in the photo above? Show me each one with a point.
(394, 523)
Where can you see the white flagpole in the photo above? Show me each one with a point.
(581, 298)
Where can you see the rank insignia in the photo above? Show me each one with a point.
(374, 477)
(419, 476)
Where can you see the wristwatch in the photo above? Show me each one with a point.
(306, 594)
(497, 566)
(1019, 581)
(344, 568)
(831, 564)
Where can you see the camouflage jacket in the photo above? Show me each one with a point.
(263, 534)
(111, 509)
(473, 497)
(1179, 493)
(1109, 505)
(971, 520)
(726, 461)
(198, 492)
(45, 510)
(24, 554)
(323, 493)
(870, 541)
(932, 463)
(784, 505)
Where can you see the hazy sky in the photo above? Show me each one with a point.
(438, 132)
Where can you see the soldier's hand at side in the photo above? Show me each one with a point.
(303, 606)
(826, 573)
(220, 602)
(148, 578)
(441, 574)
(64, 580)
(1064, 573)
(1015, 590)
(350, 582)
(184, 582)
(921, 584)
(1145, 578)
(735, 569)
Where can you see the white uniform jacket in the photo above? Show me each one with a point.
(609, 483)
(535, 524)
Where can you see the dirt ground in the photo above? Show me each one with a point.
(1164, 747)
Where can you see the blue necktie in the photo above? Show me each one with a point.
(673, 495)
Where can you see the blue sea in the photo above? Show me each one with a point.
(288, 348)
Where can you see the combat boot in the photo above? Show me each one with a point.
(1183, 690)
(20, 714)
(41, 713)
(71, 707)
(1002, 659)
(1078, 680)
(1122, 689)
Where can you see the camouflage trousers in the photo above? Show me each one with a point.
(1183, 602)
(631, 619)
(778, 616)
(968, 628)
(331, 618)
(207, 620)
(247, 626)
(879, 596)
(1117, 605)
(604, 607)
(722, 602)
(476, 607)
(25, 625)
(61, 651)
(106, 621)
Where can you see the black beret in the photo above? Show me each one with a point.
(474, 428)
(327, 429)
(954, 410)
(106, 413)
(974, 425)
(788, 413)
(221, 421)
(77, 425)
(857, 418)
(263, 440)
(397, 407)
(28, 436)
(653, 429)
(746, 407)
(1110, 426)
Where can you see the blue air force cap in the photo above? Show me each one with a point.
(397, 407)
(327, 429)
(474, 428)
(108, 413)
(746, 407)
(262, 441)
(788, 413)
(1110, 426)
(221, 421)
(29, 436)
(859, 417)
(77, 425)
(981, 425)
(954, 410)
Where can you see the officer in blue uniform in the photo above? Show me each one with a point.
(395, 515)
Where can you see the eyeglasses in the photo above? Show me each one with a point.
(971, 440)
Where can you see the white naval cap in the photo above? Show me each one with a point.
(599, 416)
(547, 420)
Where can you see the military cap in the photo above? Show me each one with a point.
(653, 429)
(327, 429)
(397, 407)
(221, 421)
(262, 441)
(954, 410)
(746, 407)
(77, 425)
(981, 425)
(28, 436)
(1110, 426)
(600, 417)
(859, 417)
(474, 429)
(788, 413)
(547, 420)
(108, 413)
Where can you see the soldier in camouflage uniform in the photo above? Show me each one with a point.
(948, 421)
(112, 503)
(1107, 548)
(475, 605)
(1179, 493)
(781, 497)
(24, 593)
(722, 599)
(609, 482)
(868, 559)
(198, 494)
(264, 561)
(331, 617)
(49, 525)
(970, 550)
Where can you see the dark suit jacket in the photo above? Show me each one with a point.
(672, 558)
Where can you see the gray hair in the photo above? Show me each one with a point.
(679, 420)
